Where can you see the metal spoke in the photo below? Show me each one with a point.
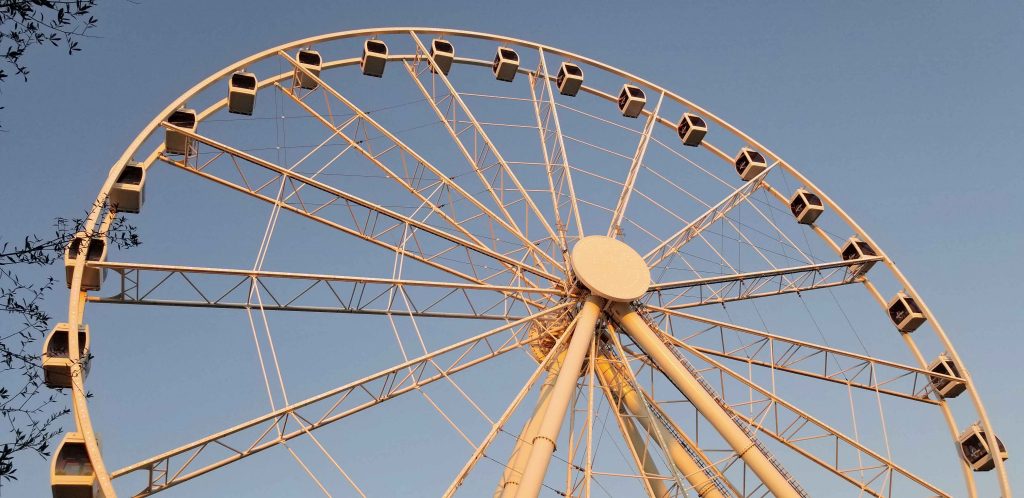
(479, 131)
(405, 149)
(558, 147)
(167, 285)
(474, 161)
(826, 363)
(615, 228)
(742, 286)
(672, 244)
(800, 431)
(182, 464)
(372, 231)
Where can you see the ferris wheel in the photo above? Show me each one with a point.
(430, 262)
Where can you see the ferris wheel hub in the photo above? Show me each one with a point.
(610, 268)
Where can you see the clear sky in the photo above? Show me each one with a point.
(908, 114)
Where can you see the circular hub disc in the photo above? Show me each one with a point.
(610, 268)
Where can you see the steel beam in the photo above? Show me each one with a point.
(551, 423)
(705, 402)
(520, 453)
(341, 402)
(673, 243)
(621, 388)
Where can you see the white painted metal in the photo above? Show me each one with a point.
(610, 268)
(99, 219)
(631, 100)
(551, 423)
(616, 381)
(703, 401)
(509, 483)
(569, 79)
(71, 473)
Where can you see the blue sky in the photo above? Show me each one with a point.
(908, 115)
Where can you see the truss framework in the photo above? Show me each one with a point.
(166, 285)
(717, 290)
(361, 218)
(798, 430)
(181, 464)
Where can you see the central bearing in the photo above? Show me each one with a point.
(610, 268)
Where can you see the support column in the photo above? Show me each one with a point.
(612, 377)
(514, 471)
(703, 401)
(565, 383)
(654, 486)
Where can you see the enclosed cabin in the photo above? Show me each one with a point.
(443, 54)
(806, 206)
(749, 163)
(569, 79)
(858, 249)
(506, 63)
(242, 93)
(129, 189)
(375, 57)
(311, 61)
(947, 388)
(975, 450)
(631, 101)
(95, 252)
(176, 142)
(56, 357)
(905, 313)
(691, 129)
(71, 471)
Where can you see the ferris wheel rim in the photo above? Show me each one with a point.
(77, 299)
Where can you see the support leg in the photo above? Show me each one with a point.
(561, 393)
(620, 388)
(510, 478)
(703, 401)
(654, 486)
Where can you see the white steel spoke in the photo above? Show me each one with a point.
(248, 438)
(389, 173)
(168, 285)
(478, 128)
(379, 220)
(546, 364)
(557, 156)
(615, 228)
(826, 363)
(738, 287)
(473, 161)
(440, 177)
(798, 430)
(674, 243)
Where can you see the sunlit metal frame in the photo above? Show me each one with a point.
(100, 219)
